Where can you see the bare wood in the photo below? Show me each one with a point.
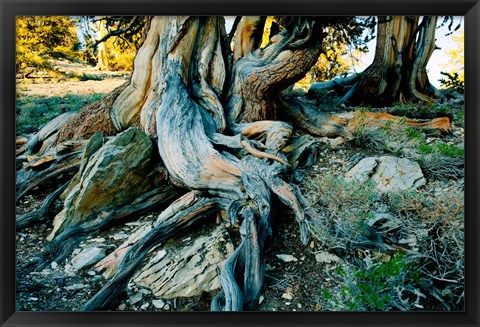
(248, 36)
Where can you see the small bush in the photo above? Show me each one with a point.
(393, 137)
(445, 149)
(376, 286)
(419, 110)
(91, 77)
(428, 226)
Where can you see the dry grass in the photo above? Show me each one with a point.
(419, 235)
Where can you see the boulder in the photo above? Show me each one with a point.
(111, 177)
(387, 173)
(188, 269)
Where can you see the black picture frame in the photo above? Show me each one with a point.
(11, 8)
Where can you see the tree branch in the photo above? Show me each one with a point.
(134, 26)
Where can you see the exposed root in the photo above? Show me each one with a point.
(62, 245)
(260, 154)
(313, 120)
(39, 214)
(29, 178)
(435, 126)
(163, 229)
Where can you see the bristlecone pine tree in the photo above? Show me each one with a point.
(211, 126)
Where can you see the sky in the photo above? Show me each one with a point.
(437, 61)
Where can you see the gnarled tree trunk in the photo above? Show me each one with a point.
(398, 72)
(182, 128)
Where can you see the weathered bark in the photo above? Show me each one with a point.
(91, 119)
(260, 76)
(65, 158)
(248, 36)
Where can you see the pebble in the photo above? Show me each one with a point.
(260, 300)
(135, 298)
(325, 257)
(88, 257)
(287, 296)
(286, 257)
(119, 236)
(54, 265)
(74, 287)
(144, 306)
(97, 240)
(122, 306)
(159, 304)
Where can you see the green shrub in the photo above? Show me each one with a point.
(445, 149)
(374, 276)
(375, 286)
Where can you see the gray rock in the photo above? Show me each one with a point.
(188, 269)
(105, 179)
(362, 171)
(388, 174)
(336, 142)
(87, 258)
(135, 298)
(159, 304)
(325, 257)
(287, 257)
(75, 287)
(119, 236)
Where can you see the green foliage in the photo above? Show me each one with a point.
(445, 149)
(374, 286)
(40, 38)
(460, 119)
(419, 110)
(368, 280)
(34, 111)
(91, 77)
(347, 207)
(453, 80)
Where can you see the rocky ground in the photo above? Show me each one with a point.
(296, 275)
